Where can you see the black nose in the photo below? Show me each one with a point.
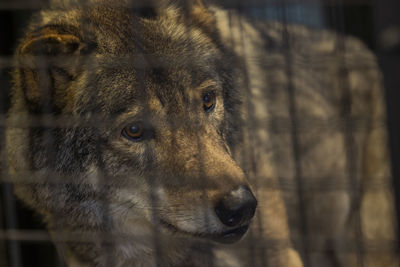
(237, 207)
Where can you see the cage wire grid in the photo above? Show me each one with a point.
(15, 240)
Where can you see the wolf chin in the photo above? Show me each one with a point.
(148, 134)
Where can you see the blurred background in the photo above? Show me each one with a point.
(376, 22)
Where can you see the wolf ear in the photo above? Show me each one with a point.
(48, 62)
(195, 12)
(202, 16)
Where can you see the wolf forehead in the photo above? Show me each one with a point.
(164, 55)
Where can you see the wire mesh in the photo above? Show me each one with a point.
(312, 109)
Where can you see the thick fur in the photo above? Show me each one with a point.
(296, 109)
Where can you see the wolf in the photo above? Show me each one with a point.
(154, 133)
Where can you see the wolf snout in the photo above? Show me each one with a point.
(237, 207)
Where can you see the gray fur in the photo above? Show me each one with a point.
(102, 196)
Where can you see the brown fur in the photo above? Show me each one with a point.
(100, 67)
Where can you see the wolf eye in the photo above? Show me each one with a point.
(133, 132)
(209, 101)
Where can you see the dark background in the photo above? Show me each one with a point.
(366, 19)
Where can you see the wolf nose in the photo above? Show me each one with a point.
(237, 207)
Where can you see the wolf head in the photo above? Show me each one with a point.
(142, 114)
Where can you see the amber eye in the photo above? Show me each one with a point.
(209, 101)
(133, 132)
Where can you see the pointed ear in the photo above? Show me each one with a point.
(48, 62)
(202, 16)
(197, 13)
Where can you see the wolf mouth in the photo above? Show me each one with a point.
(226, 237)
